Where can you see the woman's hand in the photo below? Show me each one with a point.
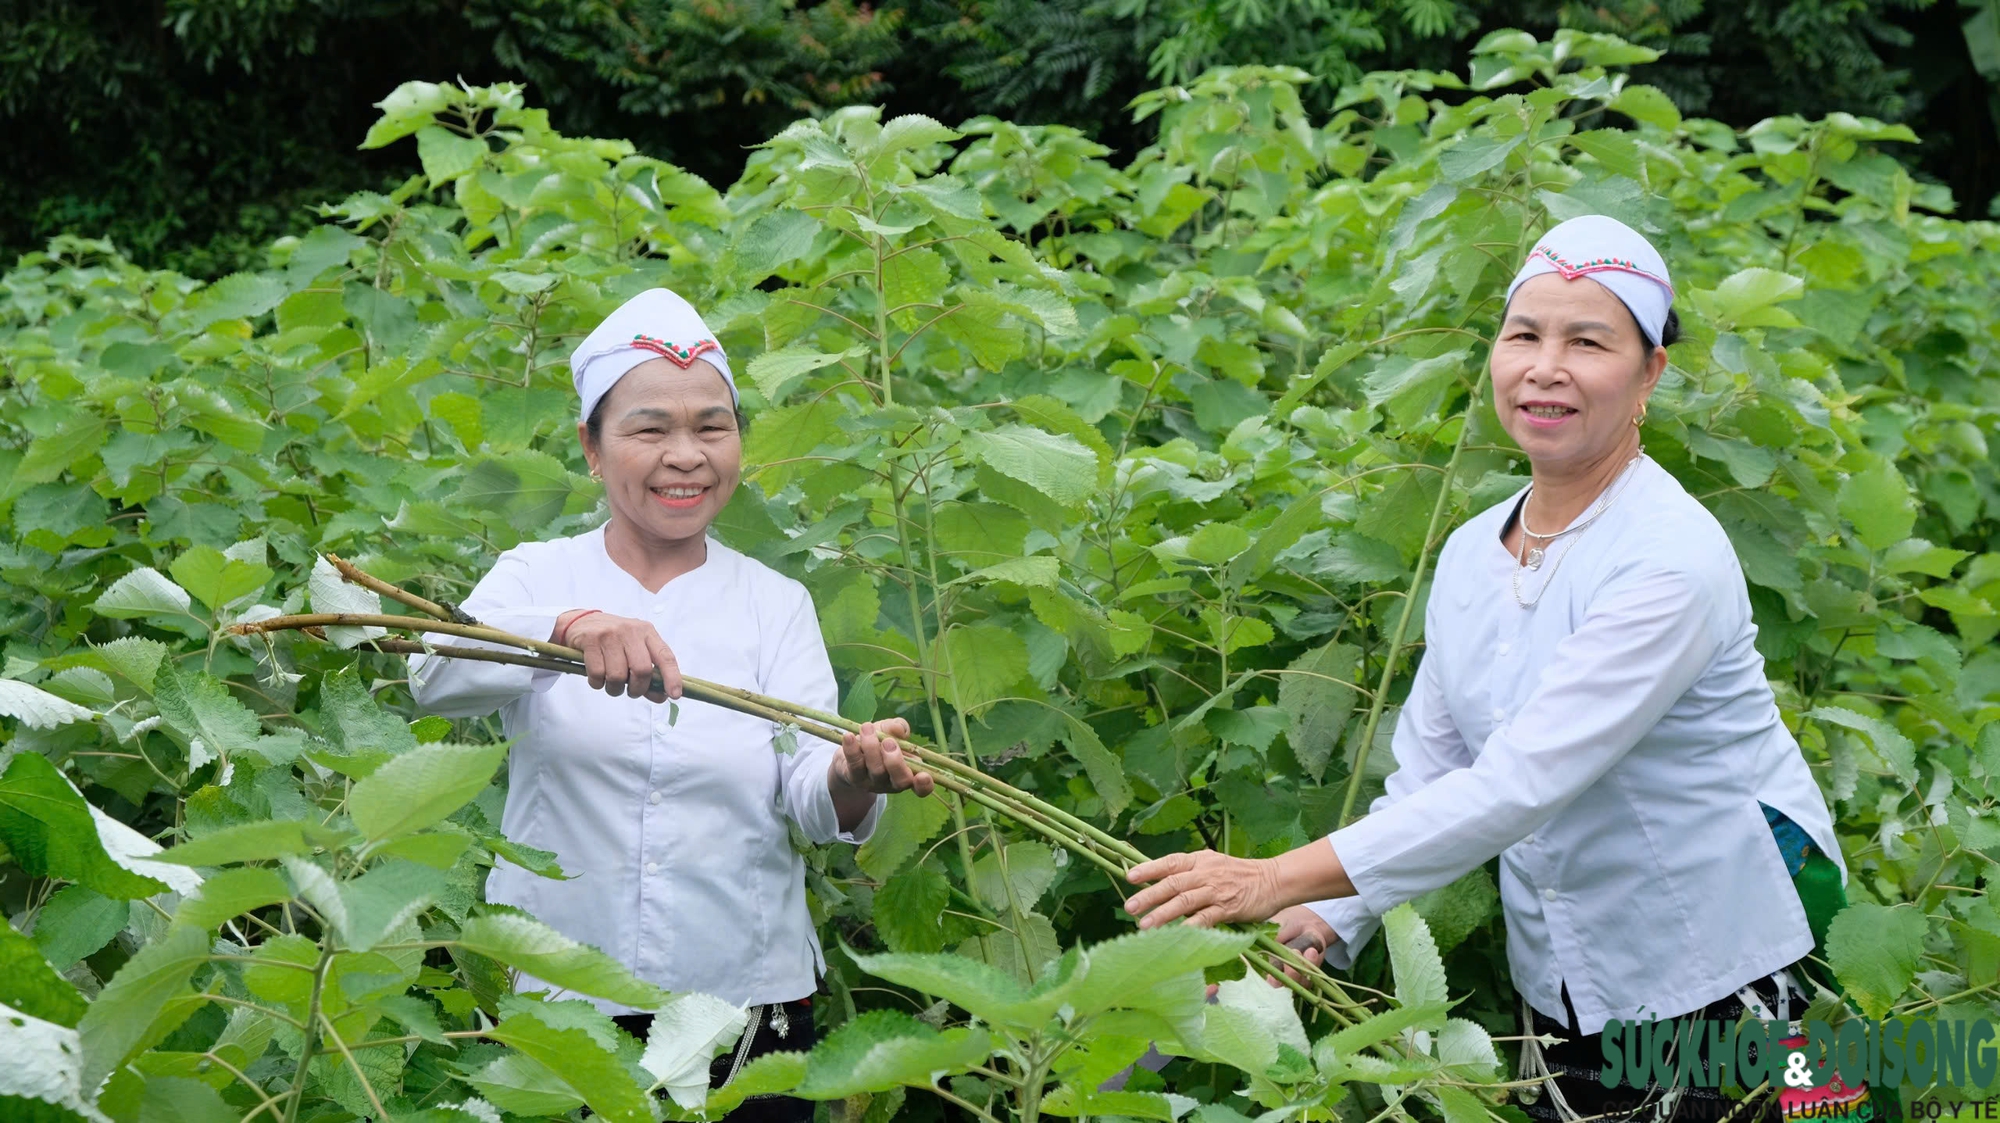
(1302, 930)
(1210, 888)
(1206, 887)
(620, 654)
(871, 763)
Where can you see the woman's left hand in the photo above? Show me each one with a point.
(871, 763)
(1206, 887)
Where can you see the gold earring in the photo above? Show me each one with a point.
(599, 476)
(1641, 419)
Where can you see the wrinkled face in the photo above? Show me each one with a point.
(1570, 372)
(668, 449)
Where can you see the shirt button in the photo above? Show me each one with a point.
(1548, 894)
(653, 797)
(1499, 714)
(1505, 648)
(652, 867)
(1530, 838)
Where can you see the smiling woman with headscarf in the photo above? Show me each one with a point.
(675, 832)
(1590, 708)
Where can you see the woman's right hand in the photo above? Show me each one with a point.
(1301, 929)
(620, 654)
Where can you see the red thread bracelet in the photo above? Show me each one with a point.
(564, 637)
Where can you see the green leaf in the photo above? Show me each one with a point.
(1031, 869)
(408, 108)
(1648, 105)
(1874, 951)
(1746, 292)
(1895, 749)
(983, 663)
(421, 787)
(74, 923)
(29, 983)
(120, 1020)
(773, 241)
(137, 659)
(1877, 501)
(1474, 156)
(1140, 970)
(80, 435)
(1615, 149)
(520, 1085)
(528, 944)
(42, 1081)
(354, 722)
(1040, 572)
(1915, 555)
(1334, 359)
(908, 908)
(328, 591)
(1413, 956)
(264, 840)
(446, 155)
(1318, 692)
(239, 296)
(49, 829)
(1107, 774)
(1411, 389)
(202, 710)
(901, 134)
(1060, 467)
(36, 708)
(596, 1073)
(915, 277)
(143, 592)
(775, 371)
(231, 893)
(907, 822)
(883, 1049)
(384, 899)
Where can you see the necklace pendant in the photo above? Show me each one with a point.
(1534, 558)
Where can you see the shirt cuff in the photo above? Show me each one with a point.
(1352, 922)
(528, 623)
(1358, 845)
(862, 831)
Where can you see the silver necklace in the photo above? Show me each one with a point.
(1533, 558)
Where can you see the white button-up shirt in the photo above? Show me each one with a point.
(1611, 744)
(674, 834)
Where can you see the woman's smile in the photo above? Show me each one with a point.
(679, 497)
(1546, 415)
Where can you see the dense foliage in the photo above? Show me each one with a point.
(1121, 480)
(191, 132)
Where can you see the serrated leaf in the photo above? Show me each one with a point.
(76, 922)
(1874, 951)
(1895, 749)
(521, 1085)
(1877, 501)
(328, 591)
(1317, 692)
(36, 708)
(775, 371)
(231, 893)
(421, 787)
(773, 241)
(528, 944)
(984, 663)
(1107, 774)
(1413, 956)
(51, 832)
(29, 983)
(684, 1037)
(1031, 869)
(137, 659)
(200, 707)
(883, 1049)
(1058, 466)
(265, 840)
(1040, 571)
(44, 1065)
(117, 1023)
(1748, 291)
(384, 899)
(596, 1073)
(446, 155)
(143, 592)
(915, 277)
(908, 908)
(907, 822)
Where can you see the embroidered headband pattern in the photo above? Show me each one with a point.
(682, 357)
(1596, 265)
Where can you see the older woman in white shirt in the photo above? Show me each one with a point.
(1590, 707)
(675, 830)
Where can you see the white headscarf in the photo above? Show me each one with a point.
(1615, 256)
(655, 324)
